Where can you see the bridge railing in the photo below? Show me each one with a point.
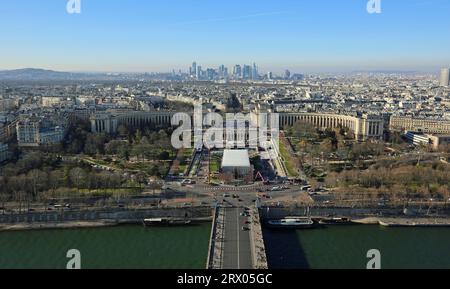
(258, 249)
(215, 252)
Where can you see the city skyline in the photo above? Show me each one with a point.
(112, 36)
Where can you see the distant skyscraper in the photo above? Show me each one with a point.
(287, 74)
(255, 72)
(194, 69)
(210, 73)
(445, 77)
(223, 71)
(237, 71)
(199, 72)
(269, 75)
(247, 72)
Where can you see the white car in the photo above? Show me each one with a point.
(186, 182)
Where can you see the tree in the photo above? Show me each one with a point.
(95, 144)
(138, 137)
(77, 177)
(303, 129)
(164, 155)
(37, 182)
(233, 103)
(76, 136)
(55, 180)
(124, 152)
(122, 130)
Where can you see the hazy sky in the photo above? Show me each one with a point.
(151, 35)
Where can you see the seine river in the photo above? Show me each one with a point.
(346, 247)
(187, 247)
(124, 247)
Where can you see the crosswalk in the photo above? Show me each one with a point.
(234, 189)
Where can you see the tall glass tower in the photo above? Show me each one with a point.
(445, 77)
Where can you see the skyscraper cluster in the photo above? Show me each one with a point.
(246, 72)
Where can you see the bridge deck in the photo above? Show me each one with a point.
(237, 251)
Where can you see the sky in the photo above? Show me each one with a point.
(161, 35)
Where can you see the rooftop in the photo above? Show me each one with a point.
(235, 158)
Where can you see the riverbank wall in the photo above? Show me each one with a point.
(353, 213)
(386, 217)
(97, 218)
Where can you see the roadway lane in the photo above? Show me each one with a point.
(237, 252)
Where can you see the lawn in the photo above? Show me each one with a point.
(291, 170)
(216, 161)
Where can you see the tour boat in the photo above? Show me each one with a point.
(166, 222)
(291, 223)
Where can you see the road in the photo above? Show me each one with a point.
(237, 251)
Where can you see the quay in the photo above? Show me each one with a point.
(405, 222)
(96, 218)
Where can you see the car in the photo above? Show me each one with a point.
(226, 195)
(245, 229)
(247, 222)
(187, 182)
(240, 200)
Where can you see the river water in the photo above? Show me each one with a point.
(124, 247)
(346, 247)
(187, 247)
